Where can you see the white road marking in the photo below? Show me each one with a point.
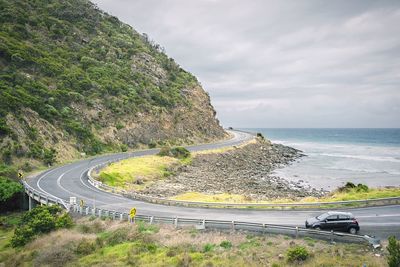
(98, 190)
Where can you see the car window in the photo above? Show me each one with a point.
(332, 218)
(322, 216)
(344, 217)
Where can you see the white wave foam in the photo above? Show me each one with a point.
(391, 172)
(362, 157)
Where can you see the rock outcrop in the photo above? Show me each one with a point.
(245, 171)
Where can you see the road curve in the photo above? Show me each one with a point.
(71, 180)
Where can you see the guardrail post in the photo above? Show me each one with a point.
(94, 211)
(263, 226)
(204, 224)
(233, 225)
(332, 235)
(30, 203)
(121, 217)
(47, 200)
(297, 232)
(114, 214)
(176, 222)
(80, 209)
(100, 211)
(87, 210)
(151, 219)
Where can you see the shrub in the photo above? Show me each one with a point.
(176, 152)
(64, 221)
(349, 185)
(208, 247)
(362, 188)
(22, 236)
(41, 219)
(55, 256)
(180, 152)
(7, 156)
(152, 144)
(119, 126)
(49, 156)
(8, 188)
(84, 228)
(124, 148)
(394, 252)
(260, 136)
(85, 247)
(298, 253)
(226, 244)
(118, 236)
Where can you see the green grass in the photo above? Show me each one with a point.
(373, 193)
(6, 233)
(127, 173)
(6, 251)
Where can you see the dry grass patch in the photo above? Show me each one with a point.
(121, 244)
(223, 149)
(60, 238)
(171, 237)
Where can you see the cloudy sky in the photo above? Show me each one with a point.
(282, 63)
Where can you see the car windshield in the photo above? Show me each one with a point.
(322, 216)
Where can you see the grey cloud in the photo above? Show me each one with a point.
(282, 63)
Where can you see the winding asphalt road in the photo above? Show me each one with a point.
(71, 180)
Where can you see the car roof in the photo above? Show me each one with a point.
(340, 213)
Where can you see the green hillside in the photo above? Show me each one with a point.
(76, 80)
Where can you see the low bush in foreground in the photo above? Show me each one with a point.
(298, 253)
(394, 252)
(176, 152)
(40, 220)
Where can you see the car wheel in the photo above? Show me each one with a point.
(352, 230)
(317, 228)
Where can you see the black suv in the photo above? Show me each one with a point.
(334, 220)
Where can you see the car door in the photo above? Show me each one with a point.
(343, 222)
(330, 223)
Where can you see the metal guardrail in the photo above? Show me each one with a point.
(200, 224)
(44, 198)
(203, 224)
(182, 203)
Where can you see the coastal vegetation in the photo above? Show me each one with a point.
(212, 167)
(337, 195)
(76, 79)
(40, 220)
(140, 172)
(135, 173)
(99, 242)
(393, 249)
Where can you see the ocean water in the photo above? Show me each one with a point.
(335, 156)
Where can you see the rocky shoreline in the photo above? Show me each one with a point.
(243, 171)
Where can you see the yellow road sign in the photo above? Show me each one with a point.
(132, 213)
(20, 175)
(81, 203)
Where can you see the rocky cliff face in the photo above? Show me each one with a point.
(76, 80)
